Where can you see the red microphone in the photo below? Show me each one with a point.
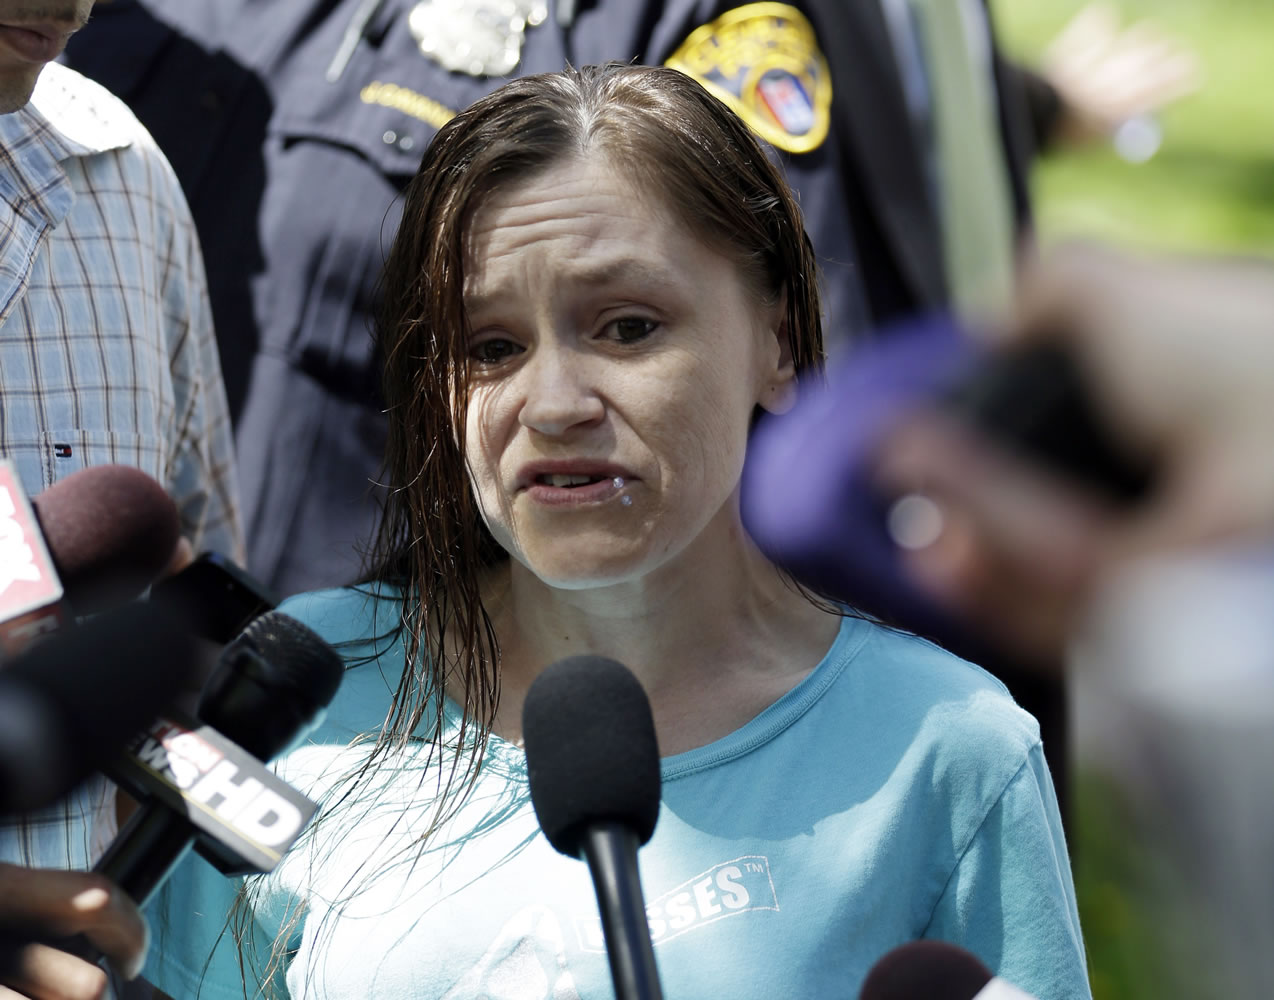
(935, 970)
(89, 543)
(30, 591)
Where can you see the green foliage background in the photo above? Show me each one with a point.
(1211, 186)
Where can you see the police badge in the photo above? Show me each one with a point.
(763, 60)
(478, 37)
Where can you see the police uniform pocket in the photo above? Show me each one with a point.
(386, 101)
(339, 154)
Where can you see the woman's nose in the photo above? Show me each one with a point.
(559, 392)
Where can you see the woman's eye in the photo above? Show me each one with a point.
(628, 329)
(492, 352)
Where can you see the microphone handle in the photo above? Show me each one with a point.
(611, 852)
(146, 850)
(143, 854)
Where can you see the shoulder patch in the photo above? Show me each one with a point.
(763, 60)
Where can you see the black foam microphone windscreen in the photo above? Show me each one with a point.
(272, 685)
(592, 756)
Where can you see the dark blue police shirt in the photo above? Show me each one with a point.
(294, 184)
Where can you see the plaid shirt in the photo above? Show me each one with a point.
(107, 352)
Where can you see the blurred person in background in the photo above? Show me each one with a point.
(1179, 360)
(1159, 605)
(1161, 609)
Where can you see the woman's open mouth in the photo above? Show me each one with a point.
(569, 482)
(565, 489)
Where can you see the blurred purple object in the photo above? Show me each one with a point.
(809, 498)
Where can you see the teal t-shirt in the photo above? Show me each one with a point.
(896, 793)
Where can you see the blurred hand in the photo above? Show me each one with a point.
(52, 904)
(1107, 74)
(183, 556)
(1180, 359)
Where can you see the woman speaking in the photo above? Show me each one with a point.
(599, 283)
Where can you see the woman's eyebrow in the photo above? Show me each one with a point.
(635, 270)
(638, 269)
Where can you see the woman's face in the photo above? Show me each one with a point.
(614, 364)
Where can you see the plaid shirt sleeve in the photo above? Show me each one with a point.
(200, 475)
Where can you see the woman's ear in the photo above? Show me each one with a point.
(778, 393)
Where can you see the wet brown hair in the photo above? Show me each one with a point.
(676, 141)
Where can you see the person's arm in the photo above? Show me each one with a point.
(201, 475)
(1098, 74)
(218, 937)
(45, 904)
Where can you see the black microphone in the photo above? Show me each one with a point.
(270, 688)
(592, 760)
(934, 970)
(89, 543)
(68, 703)
(217, 597)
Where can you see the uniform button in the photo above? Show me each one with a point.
(210, 101)
(390, 137)
(406, 142)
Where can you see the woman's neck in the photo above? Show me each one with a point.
(713, 641)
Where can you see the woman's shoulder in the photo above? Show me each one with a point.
(362, 623)
(943, 698)
(355, 614)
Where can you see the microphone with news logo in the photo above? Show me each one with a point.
(593, 764)
(205, 785)
(935, 970)
(89, 543)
